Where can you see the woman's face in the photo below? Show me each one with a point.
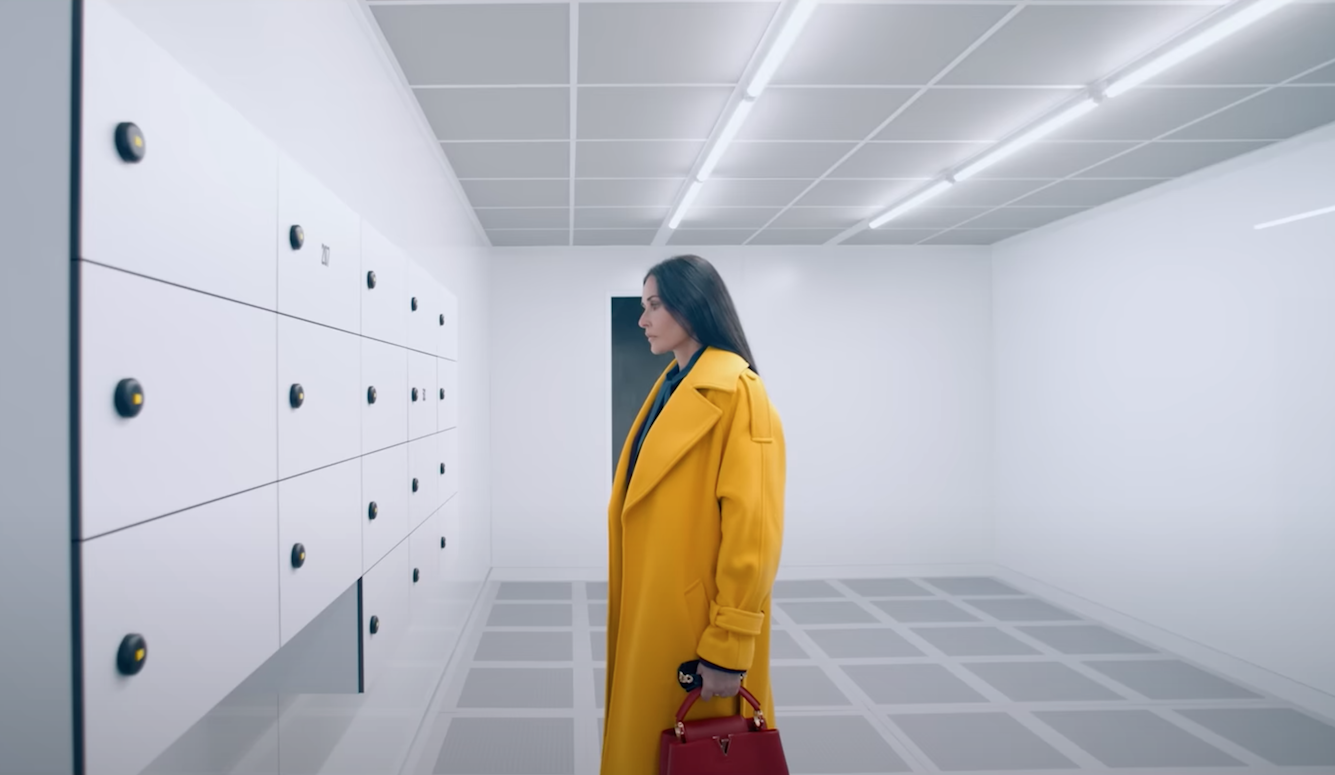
(665, 334)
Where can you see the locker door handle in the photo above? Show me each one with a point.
(414, 485)
(370, 395)
(296, 237)
(129, 398)
(130, 142)
(375, 624)
(370, 279)
(417, 575)
(298, 555)
(372, 511)
(133, 652)
(296, 395)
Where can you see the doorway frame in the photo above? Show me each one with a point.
(609, 407)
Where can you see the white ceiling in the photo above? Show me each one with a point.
(578, 123)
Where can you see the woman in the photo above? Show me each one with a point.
(695, 524)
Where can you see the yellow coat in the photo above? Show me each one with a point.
(694, 547)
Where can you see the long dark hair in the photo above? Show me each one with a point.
(697, 298)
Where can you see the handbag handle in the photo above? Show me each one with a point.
(694, 695)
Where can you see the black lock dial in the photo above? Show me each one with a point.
(296, 236)
(414, 485)
(133, 652)
(442, 394)
(417, 575)
(442, 318)
(414, 394)
(129, 398)
(296, 396)
(442, 542)
(375, 624)
(130, 142)
(442, 469)
(298, 555)
(414, 304)
(370, 279)
(370, 395)
(372, 511)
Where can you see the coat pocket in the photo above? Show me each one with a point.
(697, 610)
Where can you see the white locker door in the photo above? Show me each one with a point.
(385, 403)
(424, 462)
(450, 543)
(386, 611)
(197, 209)
(319, 541)
(319, 396)
(198, 591)
(448, 324)
(447, 394)
(385, 514)
(319, 251)
(425, 553)
(423, 309)
(204, 425)
(447, 443)
(422, 395)
(384, 286)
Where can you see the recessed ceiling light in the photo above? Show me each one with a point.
(1294, 218)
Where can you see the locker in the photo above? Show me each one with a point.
(198, 591)
(318, 244)
(450, 541)
(197, 209)
(386, 611)
(447, 394)
(447, 321)
(385, 400)
(423, 395)
(383, 509)
(423, 309)
(425, 552)
(384, 286)
(319, 394)
(424, 465)
(319, 552)
(203, 425)
(447, 445)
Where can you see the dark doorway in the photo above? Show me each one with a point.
(634, 370)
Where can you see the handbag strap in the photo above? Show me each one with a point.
(694, 695)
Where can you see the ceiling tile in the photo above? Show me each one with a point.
(524, 218)
(636, 159)
(935, 217)
(503, 239)
(883, 44)
(650, 113)
(1290, 40)
(626, 193)
(509, 160)
(710, 236)
(973, 236)
(1276, 115)
(821, 114)
(749, 193)
(1325, 75)
(663, 42)
(497, 114)
(1053, 160)
(1145, 114)
(978, 192)
(1022, 217)
(905, 160)
(1169, 160)
(889, 236)
(480, 43)
(857, 193)
(728, 217)
(780, 160)
(1084, 193)
(1071, 44)
(795, 236)
(973, 115)
(599, 237)
(823, 217)
(517, 193)
(620, 217)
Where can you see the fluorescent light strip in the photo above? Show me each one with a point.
(1028, 138)
(735, 122)
(1295, 218)
(792, 27)
(1213, 35)
(691, 194)
(930, 193)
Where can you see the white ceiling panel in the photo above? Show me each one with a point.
(973, 236)
(728, 217)
(619, 217)
(821, 114)
(1145, 114)
(1169, 160)
(978, 192)
(524, 217)
(626, 193)
(509, 160)
(1021, 217)
(857, 193)
(759, 193)
(1071, 44)
(517, 193)
(502, 238)
(972, 115)
(1289, 41)
(497, 114)
(650, 113)
(794, 236)
(883, 44)
(710, 236)
(607, 237)
(497, 43)
(837, 218)
(888, 236)
(1275, 115)
(905, 160)
(1084, 193)
(780, 160)
(928, 217)
(1053, 160)
(636, 159)
(664, 42)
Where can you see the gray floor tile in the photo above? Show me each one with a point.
(535, 590)
(801, 686)
(924, 611)
(782, 646)
(492, 746)
(787, 590)
(525, 647)
(1281, 736)
(595, 590)
(887, 588)
(827, 613)
(519, 687)
(597, 614)
(974, 642)
(1079, 639)
(980, 741)
(531, 615)
(836, 744)
(911, 684)
(1022, 610)
(598, 642)
(1169, 679)
(1041, 682)
(864, 644)
(972, 586)
(1135, 738)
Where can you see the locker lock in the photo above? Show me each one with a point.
(417, 575)
(442, 469)
(130, 143)
(298, 555)
(375, 624)
(414, 304)
(370, 395)
(414, 485)
(297, 237)
(297, 395)
(133, 652)
(442, 318)
(442, 394)
(370, 279)
(129, 398)
(372, 511)
(414, 394)
(442, 542)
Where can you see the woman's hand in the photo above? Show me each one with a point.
(718, 683)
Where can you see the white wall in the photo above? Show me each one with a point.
(312, 76)
(1165, 406)
(877, 359)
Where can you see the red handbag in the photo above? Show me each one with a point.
(731, 745)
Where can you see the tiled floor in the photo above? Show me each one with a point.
(960, 675)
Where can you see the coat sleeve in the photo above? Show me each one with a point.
(750, 493)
